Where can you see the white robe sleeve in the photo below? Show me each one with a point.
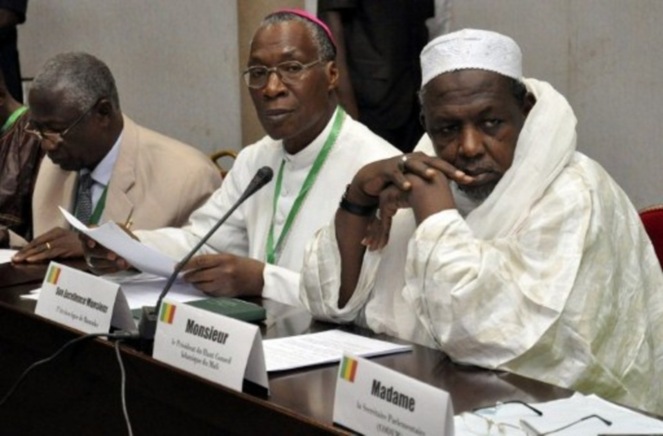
(488, 301)
(321, 281)
(281, 284)
(230, 237)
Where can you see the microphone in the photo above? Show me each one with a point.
(148, 322)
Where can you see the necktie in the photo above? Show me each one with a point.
(84, 198)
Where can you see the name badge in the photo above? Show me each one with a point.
(215, 347)
(372, 399)
(82, 301)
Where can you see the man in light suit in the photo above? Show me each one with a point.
(100, 165)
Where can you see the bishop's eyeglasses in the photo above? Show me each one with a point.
(288, 72)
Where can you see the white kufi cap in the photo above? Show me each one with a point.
(471, 49)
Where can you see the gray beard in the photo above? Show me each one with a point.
(478, 193)
(466, 200)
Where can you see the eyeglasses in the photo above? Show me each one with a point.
(482, 425)
(502, 403)
(531, 431)
(55, 136)
(289, 72)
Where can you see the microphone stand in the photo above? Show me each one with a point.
(148, 321)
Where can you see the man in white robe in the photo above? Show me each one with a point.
(511, 251)
(314, 149)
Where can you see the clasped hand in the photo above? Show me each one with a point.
(416, 181)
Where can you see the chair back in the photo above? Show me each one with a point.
(221, 154)
(652, 218)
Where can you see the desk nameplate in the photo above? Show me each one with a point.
(373, 399)
(77, 299)
(215, 347)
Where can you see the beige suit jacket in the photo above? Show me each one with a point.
(157, 179)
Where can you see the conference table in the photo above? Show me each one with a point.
(79, 391)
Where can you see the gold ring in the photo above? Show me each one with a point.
(401, 163)
(48, 245)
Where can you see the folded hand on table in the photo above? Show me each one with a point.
(56, 243)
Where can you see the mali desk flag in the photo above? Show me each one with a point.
(53, 275)
(168, 313)
(349, 369)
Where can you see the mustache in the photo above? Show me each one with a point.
(476, 171)
(474, 167)
(473, 170)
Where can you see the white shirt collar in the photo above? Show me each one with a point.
(102, 172)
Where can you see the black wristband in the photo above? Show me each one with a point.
(355, 209)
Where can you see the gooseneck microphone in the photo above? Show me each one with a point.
(148, 322)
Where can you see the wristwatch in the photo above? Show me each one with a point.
(355, 209)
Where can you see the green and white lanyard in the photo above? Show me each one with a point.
(271, 249)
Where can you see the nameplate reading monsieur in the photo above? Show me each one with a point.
(212, 346)
(77, 299)
(372, 399)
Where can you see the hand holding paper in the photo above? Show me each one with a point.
(101, 260)
(225, 275)
(116, 239)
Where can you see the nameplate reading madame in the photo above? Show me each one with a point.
(212, 346)
(77, 299)
(372, 399)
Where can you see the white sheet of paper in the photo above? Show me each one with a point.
(144, 289)
(33, 295)
(325, 347)
(111, 236)
(6, 255)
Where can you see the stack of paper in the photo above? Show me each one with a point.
(514, 418)
(326, 347)
(6, 255)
